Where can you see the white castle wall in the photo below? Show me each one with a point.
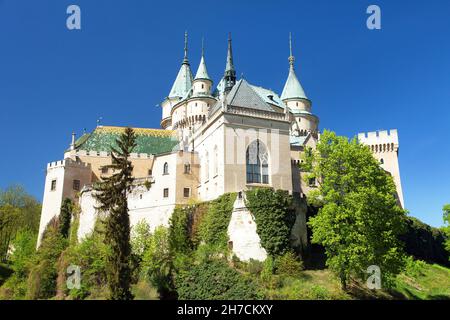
(384, 146)
(245, 241)
(141, 207)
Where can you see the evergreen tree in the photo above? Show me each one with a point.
(65, 217)
(111, 193)
(359, 219)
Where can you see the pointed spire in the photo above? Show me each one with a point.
(183, 82)
(291, 57)
(230, 72)
(185, 60)
(292, 88)
(72, 144)
(202, 72)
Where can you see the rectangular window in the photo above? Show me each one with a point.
(187, 168)
(76, 185)
(104, 170)
(166, 192)
(149, 172)
(53, 185)
(312, 182)
(187, 192)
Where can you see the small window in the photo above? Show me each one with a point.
(187, 168)
(149, 172)
(53, 185)
(166, 168)
(381, 161)
(312, 182)
(166, 192)
(186, 192)
(76, 185)
(104, 170)
(203, 86)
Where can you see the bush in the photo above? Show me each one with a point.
(255, 267)
(214, 280)
(414, 268)
(41, 281)
(213, 229)
(288, 265)
(274, 216)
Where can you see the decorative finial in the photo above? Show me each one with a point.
(72, 145)
(291, 57)
(185, 44)
(203, 47)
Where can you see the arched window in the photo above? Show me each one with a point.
(381, 161)
(216, 160)
(257, 161)
(166, 168)
(206, 162)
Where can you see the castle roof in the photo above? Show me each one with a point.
(150, 141)
(292, 88)
(202, 72)
(183, 82)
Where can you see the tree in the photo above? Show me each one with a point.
(359, 219)
(111, 194)
(446, 213)
(65, 217)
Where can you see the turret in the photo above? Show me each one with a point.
(230, 72)
(180, 88)
(202, 82)
(295, 99)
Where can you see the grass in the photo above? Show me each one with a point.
(430, 282)
(419, 281)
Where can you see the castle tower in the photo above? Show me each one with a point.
(200, 99)
(295, 99)
(180, 88)
(384, 146)
(230, 72)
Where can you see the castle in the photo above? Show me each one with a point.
(230, 138)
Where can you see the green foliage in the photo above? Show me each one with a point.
(65, 217)
(274, 216)
(140, 235)
(414, 268)
(425, 242)
(111, 193)
(18, 211)
(359, 220)
(91, 256)
(288, 265)
(156, 263)
(214, 280)
(41, 283)
(179, 239)
(446, 215)
(213, 229)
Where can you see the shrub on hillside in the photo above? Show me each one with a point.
(288, 264)
(214, 280)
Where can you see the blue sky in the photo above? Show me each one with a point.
(123, 61)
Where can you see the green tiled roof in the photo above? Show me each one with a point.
(150, 141)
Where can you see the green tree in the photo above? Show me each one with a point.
(65, 217)
(359, 219)
(111, 193)
(446, 213)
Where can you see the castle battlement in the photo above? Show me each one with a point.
(66, 163)
(380, 141)
(104, 154)
(377, 137)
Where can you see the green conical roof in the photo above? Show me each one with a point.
(183, 82)
(202, 72)
(292, 89)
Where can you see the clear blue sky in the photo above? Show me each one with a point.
(124, 60)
